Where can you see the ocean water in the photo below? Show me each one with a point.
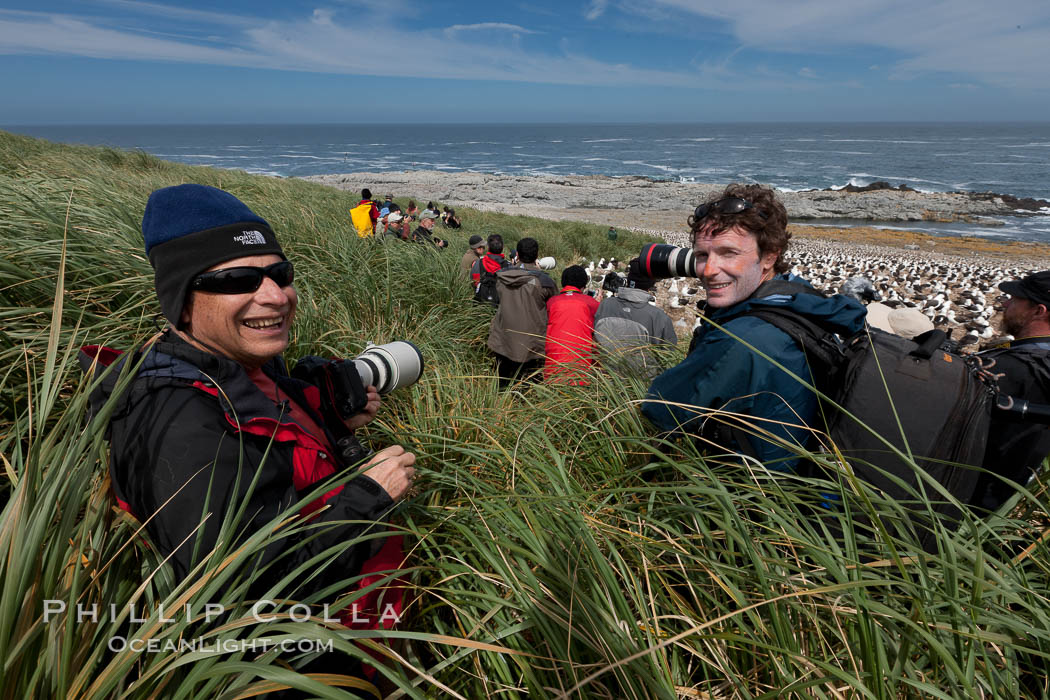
(1006, 158)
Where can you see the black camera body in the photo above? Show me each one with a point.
(613, 281)
(344, 383)
(342, 391)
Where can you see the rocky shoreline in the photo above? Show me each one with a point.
(576, 196)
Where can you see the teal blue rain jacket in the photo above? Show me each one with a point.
(723, 372)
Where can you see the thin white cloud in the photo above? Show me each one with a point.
(970, 37)
(596, 9)
(384, 8)
(807, 73)
(536, 9)
(321, 16)
(320, 43)
(489, 27)
(173, 12)
(77, 37)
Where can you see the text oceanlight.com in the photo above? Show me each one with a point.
(219, 646)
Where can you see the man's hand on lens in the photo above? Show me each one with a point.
(368, 413)
(392, 469)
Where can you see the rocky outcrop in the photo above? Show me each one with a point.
(520, 194)
(1026, 203)
(877, 185)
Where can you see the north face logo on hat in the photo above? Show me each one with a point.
(250, 238)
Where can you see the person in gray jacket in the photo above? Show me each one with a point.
(517, 334)
(626, 325)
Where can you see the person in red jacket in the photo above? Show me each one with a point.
(491, 262)
(570, 327)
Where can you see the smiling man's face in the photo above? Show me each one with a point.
(249, 328)
(730, 266)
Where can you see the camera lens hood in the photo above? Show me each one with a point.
(390, 366)
(661, 260)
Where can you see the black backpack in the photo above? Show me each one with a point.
(919, 397)
(486, 292)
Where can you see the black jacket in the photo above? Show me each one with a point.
(191, 433)
(424, 236)
(1016, 449)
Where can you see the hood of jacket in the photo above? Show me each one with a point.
(635, 297)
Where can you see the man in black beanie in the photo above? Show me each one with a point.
(213, 441)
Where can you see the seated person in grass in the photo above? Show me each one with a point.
(492, 261)
(483, 271)
(519, 328)
(365, 215)
(476, 248)
(395, 226)
(627, 324)
(570, 326)
(449, 218)
(212, 407)
(424, 233)
(739, 239)
(411, 212)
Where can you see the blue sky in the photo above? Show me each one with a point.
(345, 61)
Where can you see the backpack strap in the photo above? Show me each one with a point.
(929, 342)
(818, 343)
(1037, 361)
(821, 346)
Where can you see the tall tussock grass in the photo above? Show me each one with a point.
(557, 548)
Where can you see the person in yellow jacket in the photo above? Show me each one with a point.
(364, 215)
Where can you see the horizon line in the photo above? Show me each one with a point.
(521, 123)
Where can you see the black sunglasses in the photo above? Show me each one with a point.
(243, 280)
(729, 205)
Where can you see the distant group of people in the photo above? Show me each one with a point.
(386, 220)
(540, 326)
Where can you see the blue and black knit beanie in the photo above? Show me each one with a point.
(189, 228)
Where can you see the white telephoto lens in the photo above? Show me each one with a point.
(392, 366)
